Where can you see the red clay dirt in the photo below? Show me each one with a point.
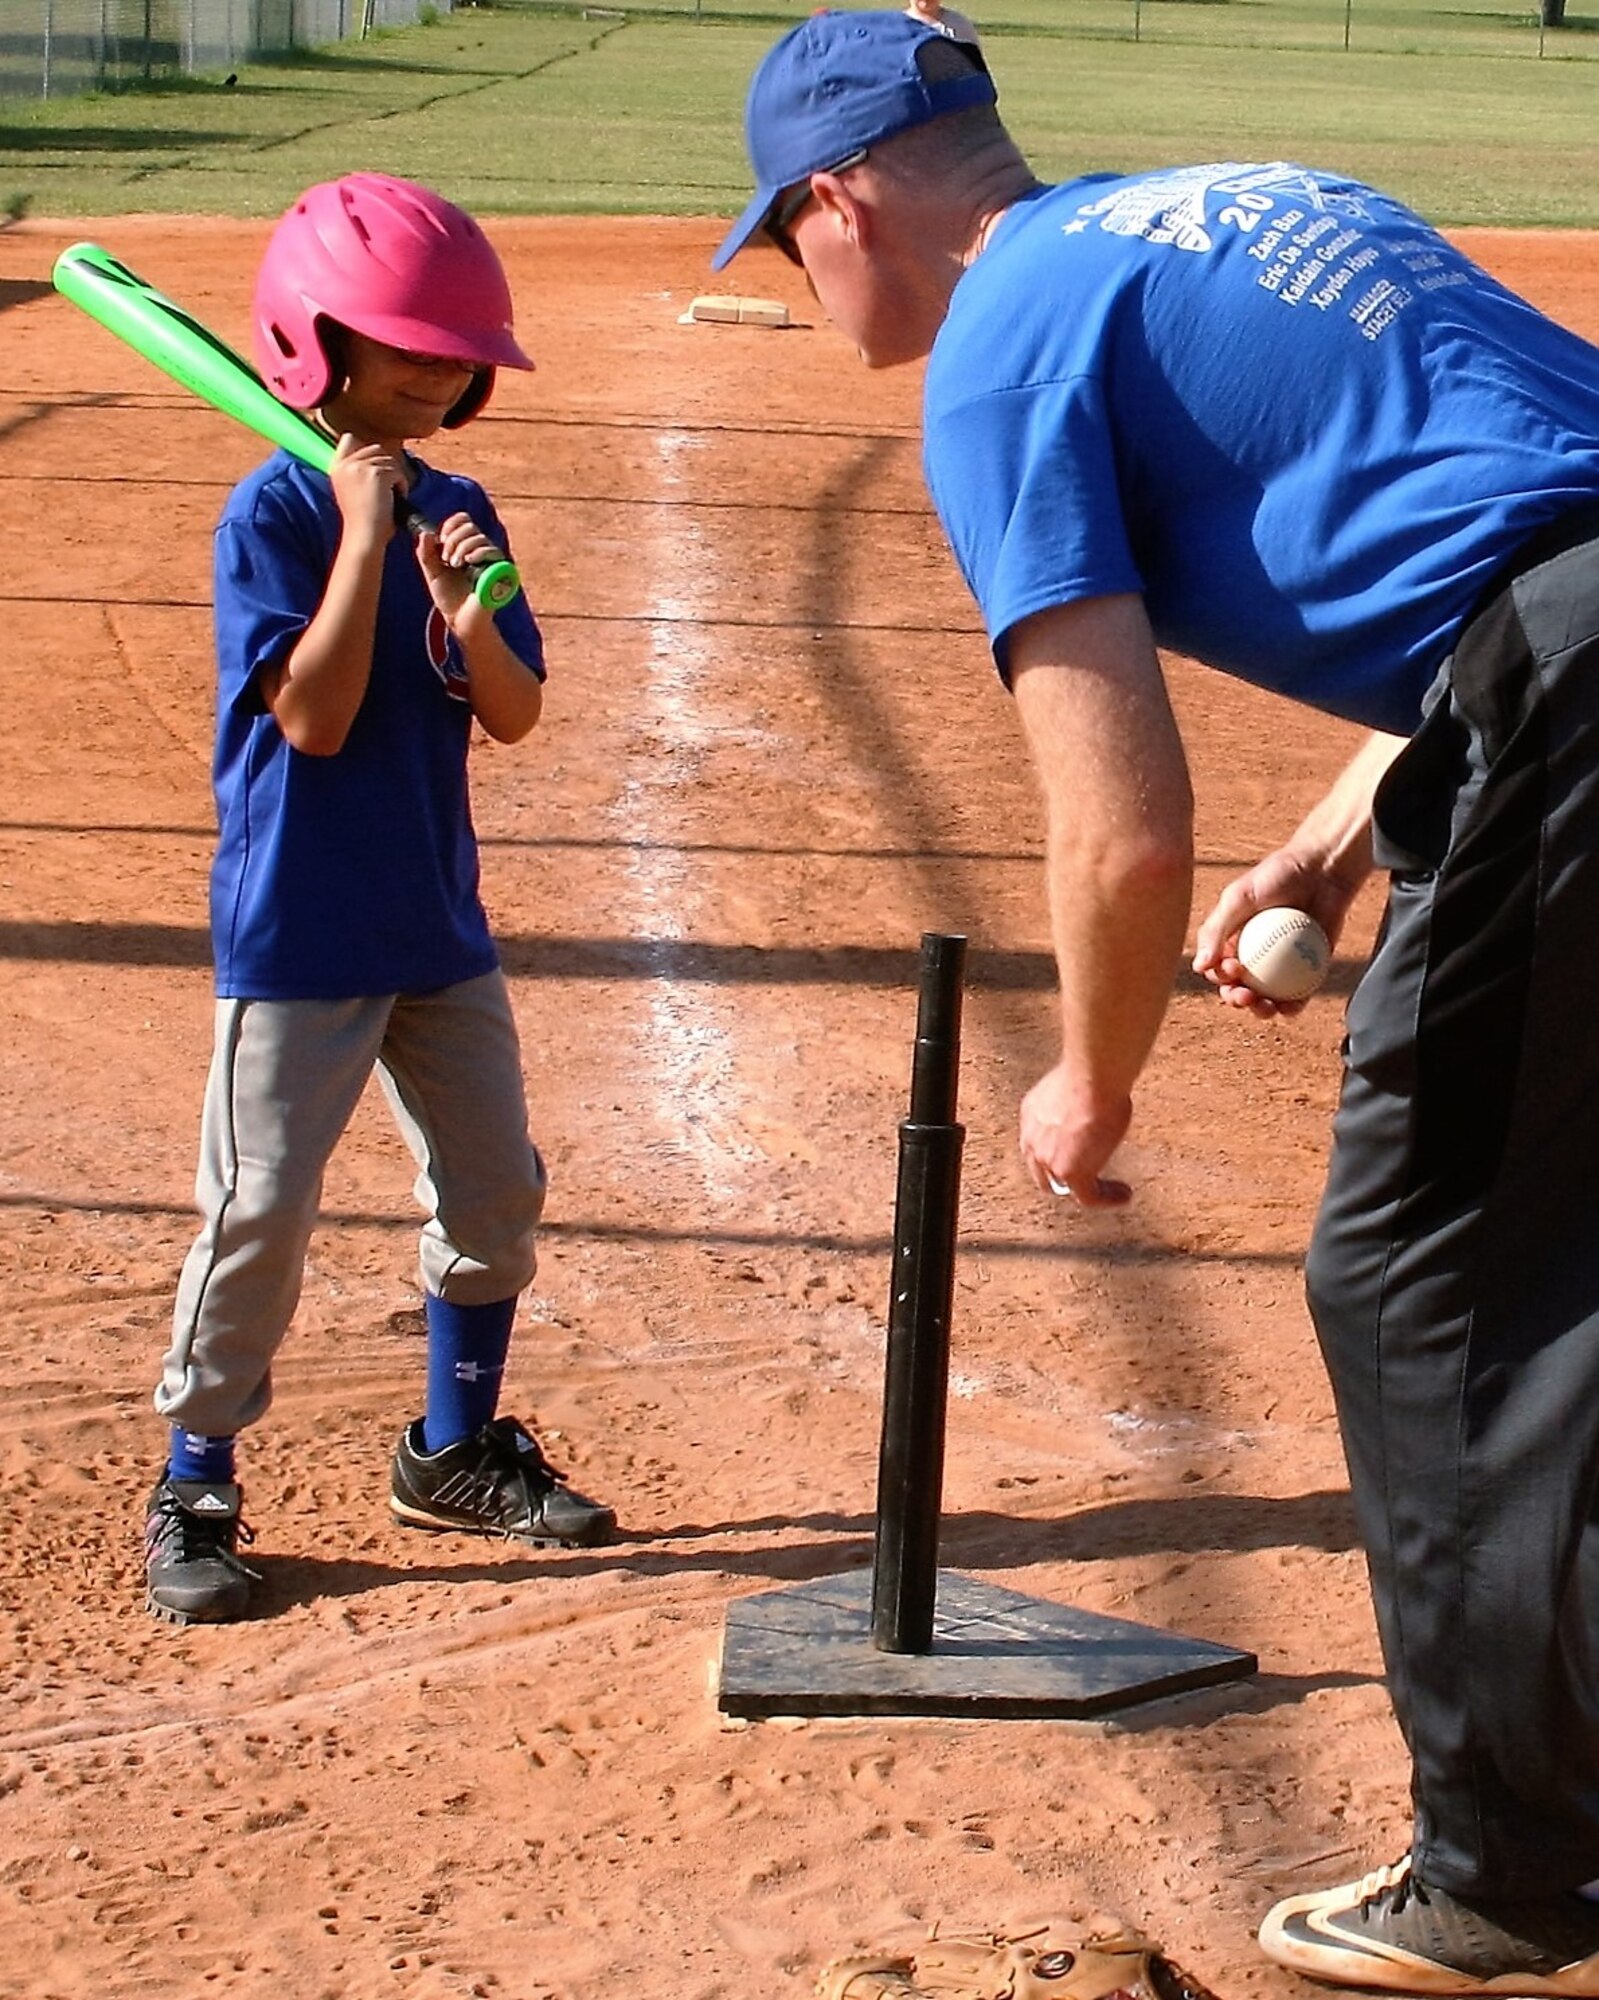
(773, 755)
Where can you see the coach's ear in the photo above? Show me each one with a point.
(844, 208)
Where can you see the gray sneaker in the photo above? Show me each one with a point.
(192, 1571)
(1394, 1934)
(498, 1482)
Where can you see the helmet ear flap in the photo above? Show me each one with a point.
(311, 372)
(478, 391)
(333, 344)
(292, 351)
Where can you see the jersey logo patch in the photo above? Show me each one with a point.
(444, 656)
(1175, 207)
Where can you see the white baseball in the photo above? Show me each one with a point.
(1284, 953)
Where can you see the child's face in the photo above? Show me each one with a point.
(392, 394)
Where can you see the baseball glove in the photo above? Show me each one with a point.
(1037, 1965)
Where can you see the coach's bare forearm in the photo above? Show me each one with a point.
(1337, 829)
(1120, 871)
(1119, 829)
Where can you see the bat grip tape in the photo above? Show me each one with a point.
(494, 583)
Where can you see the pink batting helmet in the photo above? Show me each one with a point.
(394, 261)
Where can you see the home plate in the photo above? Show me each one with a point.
(807, 1650)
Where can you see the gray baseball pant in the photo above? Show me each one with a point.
(285, 1079)
(1454, 1273)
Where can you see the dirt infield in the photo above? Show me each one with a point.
(773, 755)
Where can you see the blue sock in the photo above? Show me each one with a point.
(467, 1346)
(195, 1456)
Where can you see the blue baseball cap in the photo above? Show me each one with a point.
(839, 84)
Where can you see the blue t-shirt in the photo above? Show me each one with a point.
(353, 874)
(1275, 402)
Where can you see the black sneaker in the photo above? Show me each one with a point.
(498, 1482)
(192, 1572)
(1394, 1934)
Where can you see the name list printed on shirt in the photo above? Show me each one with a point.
(1308, 238)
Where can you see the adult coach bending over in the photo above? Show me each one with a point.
(1267, 417)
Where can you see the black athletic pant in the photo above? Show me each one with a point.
(1454, 1273)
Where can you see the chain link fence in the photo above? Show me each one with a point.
(53, 48)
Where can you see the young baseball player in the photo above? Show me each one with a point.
(346, 923)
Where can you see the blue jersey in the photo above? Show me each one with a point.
(1275, 402)
(353, 874)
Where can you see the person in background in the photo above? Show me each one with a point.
(947, 20)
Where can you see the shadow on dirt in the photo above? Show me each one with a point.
(683, 961)
(23, 291)
(1185, 1524)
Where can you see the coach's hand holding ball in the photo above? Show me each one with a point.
(1266, 943)
(1284, 954)
(1277, 961)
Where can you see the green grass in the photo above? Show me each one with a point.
(545, 108)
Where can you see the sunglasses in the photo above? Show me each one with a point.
(415, 358)
(779, 222)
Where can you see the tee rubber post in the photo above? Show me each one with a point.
(910, 1478)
